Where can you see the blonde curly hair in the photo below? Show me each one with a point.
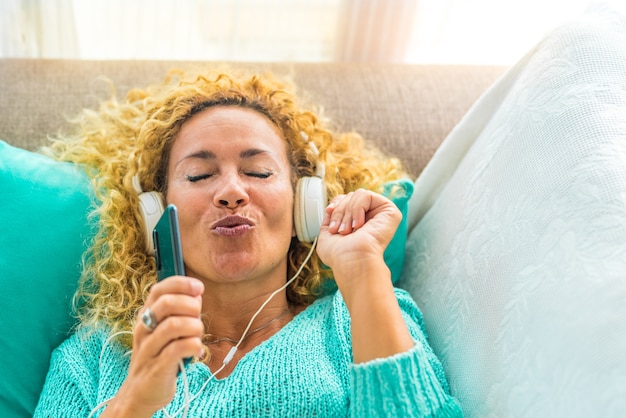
(133, 137)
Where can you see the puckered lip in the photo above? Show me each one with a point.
(232, 221)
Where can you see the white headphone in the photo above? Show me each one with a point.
(310, 201)
(308, 210)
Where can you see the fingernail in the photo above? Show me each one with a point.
(332, 225)
(342, 227)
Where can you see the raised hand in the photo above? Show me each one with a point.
(355, 233)
(357, 228)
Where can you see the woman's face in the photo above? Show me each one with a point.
(230, 178)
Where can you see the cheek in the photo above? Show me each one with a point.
(279, 205)
(190, 209)
(181, 193)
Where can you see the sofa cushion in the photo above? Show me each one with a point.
(44, 227)
(517, 254)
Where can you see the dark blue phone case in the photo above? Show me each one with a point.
(168, 250)
(167, 245)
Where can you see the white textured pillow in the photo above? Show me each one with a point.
(517, 243)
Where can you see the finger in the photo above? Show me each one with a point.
(179, 327)
(336, 211)
(176, 285)
(169, 358)
(172, 305)
(334, 202)
(349, 214)
(182, 348)
(354, 215)
(329, 210)
(170, 331)
(359, 206)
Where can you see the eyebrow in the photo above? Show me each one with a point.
(202, 155)
(252, 152)
(209, 155)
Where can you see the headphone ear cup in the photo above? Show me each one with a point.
(151, 209)
(309, 207)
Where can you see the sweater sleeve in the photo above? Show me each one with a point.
(61, 395)
(69, 389)
(409, 384)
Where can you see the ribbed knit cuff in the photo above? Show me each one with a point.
(403, 385)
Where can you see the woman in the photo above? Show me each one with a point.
(254, 310)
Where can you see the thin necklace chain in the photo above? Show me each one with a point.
(262, 327)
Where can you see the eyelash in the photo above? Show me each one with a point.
(263, 175)
(194, 179)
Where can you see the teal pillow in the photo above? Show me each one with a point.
(399, 191)
(43, 213)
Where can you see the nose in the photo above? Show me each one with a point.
(231, 192)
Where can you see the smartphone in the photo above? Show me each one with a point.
(168, 251)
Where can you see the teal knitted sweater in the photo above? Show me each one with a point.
(304, 370)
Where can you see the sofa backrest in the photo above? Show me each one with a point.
(406, 109)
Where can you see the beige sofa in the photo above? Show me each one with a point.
(400, 107)
(406, 109)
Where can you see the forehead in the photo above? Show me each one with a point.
(229, 124)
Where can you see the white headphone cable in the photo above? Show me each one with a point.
(233, 350)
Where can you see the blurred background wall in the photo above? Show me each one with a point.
(413, 31)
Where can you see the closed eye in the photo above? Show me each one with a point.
(260, 175)
(263, 175)
(194, 179)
